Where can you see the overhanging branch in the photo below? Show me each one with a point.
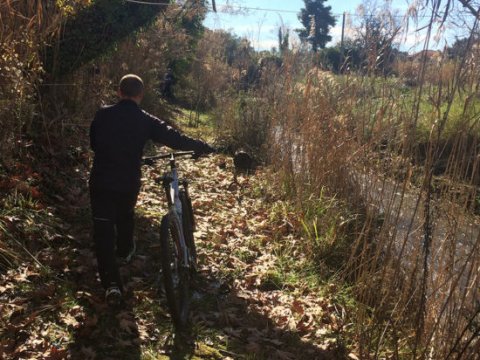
(466, 4)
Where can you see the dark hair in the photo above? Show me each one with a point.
(131, 85)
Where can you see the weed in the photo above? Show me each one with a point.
(355, 157)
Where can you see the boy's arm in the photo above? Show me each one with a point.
(167, 135)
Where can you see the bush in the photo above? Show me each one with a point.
(243, 122)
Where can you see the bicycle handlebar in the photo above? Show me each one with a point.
(151, 159)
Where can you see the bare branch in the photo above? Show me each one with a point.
(468, 5)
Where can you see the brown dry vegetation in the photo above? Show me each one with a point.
(25, 26)
(400, 166)
(378, 175)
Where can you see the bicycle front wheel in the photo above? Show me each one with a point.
(188, 227)
(176, 276)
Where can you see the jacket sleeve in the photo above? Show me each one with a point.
(167, 135)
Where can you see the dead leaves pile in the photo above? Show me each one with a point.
(251, 299)
(239, 246)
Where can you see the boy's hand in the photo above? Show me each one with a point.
(210, 150)
(207, 149)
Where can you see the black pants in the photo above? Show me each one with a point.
(113, 214)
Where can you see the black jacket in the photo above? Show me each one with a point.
(118, 134)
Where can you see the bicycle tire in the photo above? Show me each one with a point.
(188, 222)
(176, 277)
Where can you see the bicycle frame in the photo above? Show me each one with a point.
(171, 184)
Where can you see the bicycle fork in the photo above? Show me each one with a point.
(171, 186)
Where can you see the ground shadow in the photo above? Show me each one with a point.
(247, 333)
(223, 323)
(101, 332)
(220, 316)
(108, 334)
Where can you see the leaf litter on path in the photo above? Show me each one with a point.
(243, 305)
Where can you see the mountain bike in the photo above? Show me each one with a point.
(177, 245)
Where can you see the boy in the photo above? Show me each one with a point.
(118, 134)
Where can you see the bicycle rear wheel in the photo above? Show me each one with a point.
(188, 227)
(175, 276)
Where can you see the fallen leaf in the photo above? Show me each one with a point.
(297, 307)
(70, 321)
(56, 354)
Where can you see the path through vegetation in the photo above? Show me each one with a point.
(255, 298)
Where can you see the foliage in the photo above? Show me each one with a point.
(345, 136)
(271, 301)
(283, 40)
(316, 20)
(374, 178)
(188, 20)
(209, 75)
(246, 124)
(332, 58)
(192, 17)
(149, 53)
(376, 36)
(25, 26)
(354, 55)
(338, 145)
(223, 76)
(458, 48)
(93, 30)
(372, 49)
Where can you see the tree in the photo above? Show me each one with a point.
(283, 40)
(94, 30)
(470, 5)
(317, 21)
(462, 46)
(331, 58)
(376, 36)
(97, 28)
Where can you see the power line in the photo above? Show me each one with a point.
(223, 8)
(238, 7)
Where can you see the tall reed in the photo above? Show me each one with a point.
(25, 26)
(405, 159)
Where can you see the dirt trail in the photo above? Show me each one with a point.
(250, 300)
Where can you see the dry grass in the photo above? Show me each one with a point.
(405, 161)
(25, 26)
(396, 167)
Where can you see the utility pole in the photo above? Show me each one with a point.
(342, 53)
(343, 30)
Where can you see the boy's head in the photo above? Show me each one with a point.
(131, 87)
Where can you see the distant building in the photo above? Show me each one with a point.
(432, 56)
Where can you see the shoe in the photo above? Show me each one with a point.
(113, 296)
(124, 260)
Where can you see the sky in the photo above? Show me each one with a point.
(263, 17)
